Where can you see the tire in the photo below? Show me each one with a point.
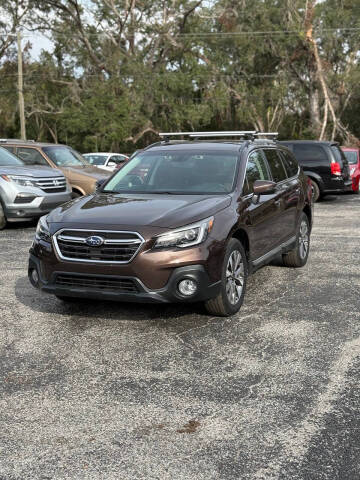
(316, 194)
(298, 256)
(231, 296)
(2, 217)
(66, 299)
(357, 191)
(75, 194)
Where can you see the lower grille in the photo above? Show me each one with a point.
(111, 284)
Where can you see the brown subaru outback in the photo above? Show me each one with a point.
(81, 176)
(182, 221)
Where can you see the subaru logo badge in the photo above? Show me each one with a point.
(94, 241)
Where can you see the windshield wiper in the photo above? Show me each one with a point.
(162, 192)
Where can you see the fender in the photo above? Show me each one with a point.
(316, 177)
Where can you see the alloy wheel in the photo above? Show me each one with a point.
(303, 239)
(234, 277)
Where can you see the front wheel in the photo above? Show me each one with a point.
(233, 282)
(297, 257)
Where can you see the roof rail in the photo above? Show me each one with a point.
(246, 134)
(15, 140)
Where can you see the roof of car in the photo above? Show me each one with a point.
(227, 145)
(30, 143)
(314, 142)
(184, 145)
(102, 153)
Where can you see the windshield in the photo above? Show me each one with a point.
(351, 156)
(96, 159)
(7, 159)
(65, 157)
(190, 172)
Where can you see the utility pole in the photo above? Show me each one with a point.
(20, 88)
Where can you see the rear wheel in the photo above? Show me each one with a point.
(233, 282)
(2, 217)
(315, 190)
(298, 256)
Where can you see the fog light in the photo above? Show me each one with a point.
(187, 287)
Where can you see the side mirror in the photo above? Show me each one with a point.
(99, 183)
(111, 164)
(264, 187)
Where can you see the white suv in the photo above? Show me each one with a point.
(106, 161)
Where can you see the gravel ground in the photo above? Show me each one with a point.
(113, 391)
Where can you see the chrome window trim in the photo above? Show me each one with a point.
(132, 241)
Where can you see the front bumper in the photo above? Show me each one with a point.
(168, 294)
(38, 207)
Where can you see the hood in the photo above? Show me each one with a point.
(88, 171)
(31, 171)
(164, 211)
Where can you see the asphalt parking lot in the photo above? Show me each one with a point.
(123, 392)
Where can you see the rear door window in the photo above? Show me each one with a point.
(31, 156)
(277, 168)
(305, 153)
(290, 163)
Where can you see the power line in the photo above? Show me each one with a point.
(201, 34)
(128, 75)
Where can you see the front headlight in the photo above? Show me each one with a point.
(42, 230)
(186, 236)
(23, 181)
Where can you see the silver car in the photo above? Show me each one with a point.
(28, 192)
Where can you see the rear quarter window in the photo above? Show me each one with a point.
(309, 154)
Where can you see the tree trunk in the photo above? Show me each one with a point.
(314, 100)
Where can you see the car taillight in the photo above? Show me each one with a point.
(335, 168)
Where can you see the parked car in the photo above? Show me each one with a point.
(324, 163)
(81, 175)
(106, 161)
(27, 192)
(192, 229)
(352, 155)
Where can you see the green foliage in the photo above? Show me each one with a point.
(120, 71)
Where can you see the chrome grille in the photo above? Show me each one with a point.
(51, 184)
(117, 247)
(114, 284)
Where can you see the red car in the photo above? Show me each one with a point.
(353, 157)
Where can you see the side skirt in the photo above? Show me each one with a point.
(265, 259)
